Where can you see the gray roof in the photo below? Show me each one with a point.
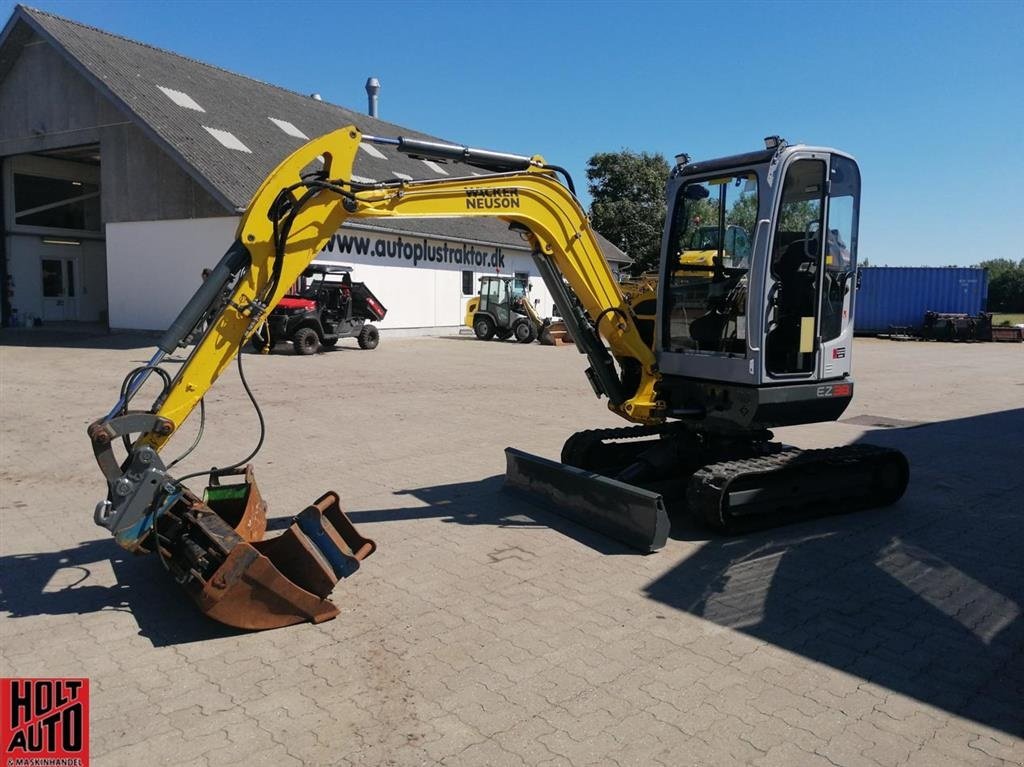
(132, 74)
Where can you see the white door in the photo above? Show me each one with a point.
(60, 288)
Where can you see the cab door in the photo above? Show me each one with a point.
(839, 268)
(794, 270)
(494, 298)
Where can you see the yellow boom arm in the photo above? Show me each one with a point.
(531, 199)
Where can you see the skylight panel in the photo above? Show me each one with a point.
(402, 176)
(228, 139)
(288, 128)
(435, 167)
(373, 151)
(363, 179)
(181, 99)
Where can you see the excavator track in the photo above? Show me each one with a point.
(732, 484)
(594, 449)
(752, 493)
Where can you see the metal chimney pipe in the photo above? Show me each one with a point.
(372, 89)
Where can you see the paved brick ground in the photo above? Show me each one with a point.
(484, 632)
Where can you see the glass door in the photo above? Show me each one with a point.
(60, 296)
(791, 345)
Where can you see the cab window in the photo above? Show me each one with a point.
(712, 232)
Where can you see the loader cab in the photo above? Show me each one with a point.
(758, 263)
(501, 310)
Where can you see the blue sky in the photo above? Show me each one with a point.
(929, 96)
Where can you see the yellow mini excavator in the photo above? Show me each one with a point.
(724, 350)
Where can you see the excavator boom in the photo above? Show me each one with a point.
(215, 545)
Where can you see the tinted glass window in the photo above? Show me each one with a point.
(709, 256)
(56, 203)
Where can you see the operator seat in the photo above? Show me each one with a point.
(796, 273)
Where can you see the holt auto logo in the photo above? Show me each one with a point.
(44, 722)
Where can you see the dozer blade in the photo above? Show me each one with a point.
(216, 550)
(629, 514)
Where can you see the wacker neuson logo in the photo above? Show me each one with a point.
(492, 198)
(44, 722)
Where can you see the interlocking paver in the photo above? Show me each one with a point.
(478, 634)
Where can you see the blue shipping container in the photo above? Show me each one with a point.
(900, 295)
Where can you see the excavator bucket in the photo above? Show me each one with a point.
(235, 575)
(627, 513)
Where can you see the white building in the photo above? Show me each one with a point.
(125, 169)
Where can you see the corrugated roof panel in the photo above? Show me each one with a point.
(181, 98)
(288, 128)
(228, 139)
(435, 167)
(373, 151)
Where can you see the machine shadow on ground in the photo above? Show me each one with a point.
(165, 614)
(45, 338)
(924, 598)
(480, 502)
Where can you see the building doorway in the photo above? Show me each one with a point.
(59, 277)
(56, 254)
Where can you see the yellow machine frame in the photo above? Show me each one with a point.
(556, 225)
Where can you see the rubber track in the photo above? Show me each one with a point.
(709, 486)
(577, 445)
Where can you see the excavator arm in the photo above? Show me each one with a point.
(214, 546)
(285, 230)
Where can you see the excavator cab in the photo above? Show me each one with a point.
(753, 330)
(775, 321)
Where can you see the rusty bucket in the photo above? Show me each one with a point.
(217, 549)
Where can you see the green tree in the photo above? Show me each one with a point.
(1005, 285)
(628, 202)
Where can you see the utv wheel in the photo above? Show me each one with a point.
(368, 337)
(484, 328)
(330, 343)
(306, 341)
(524, 332)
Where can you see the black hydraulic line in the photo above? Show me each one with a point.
(195, 442)
(483, 158)
(217, 471)
(565, 173)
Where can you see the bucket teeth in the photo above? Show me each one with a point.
(217, 550)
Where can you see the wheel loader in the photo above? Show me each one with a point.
(704, 366)
(499, 311)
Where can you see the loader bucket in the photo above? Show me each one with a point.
(238, 577)
(627, 513)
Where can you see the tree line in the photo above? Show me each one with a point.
(628, 208)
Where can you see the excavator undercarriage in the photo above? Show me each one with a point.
(630, 483)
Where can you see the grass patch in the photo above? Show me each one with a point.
(1007, 319)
